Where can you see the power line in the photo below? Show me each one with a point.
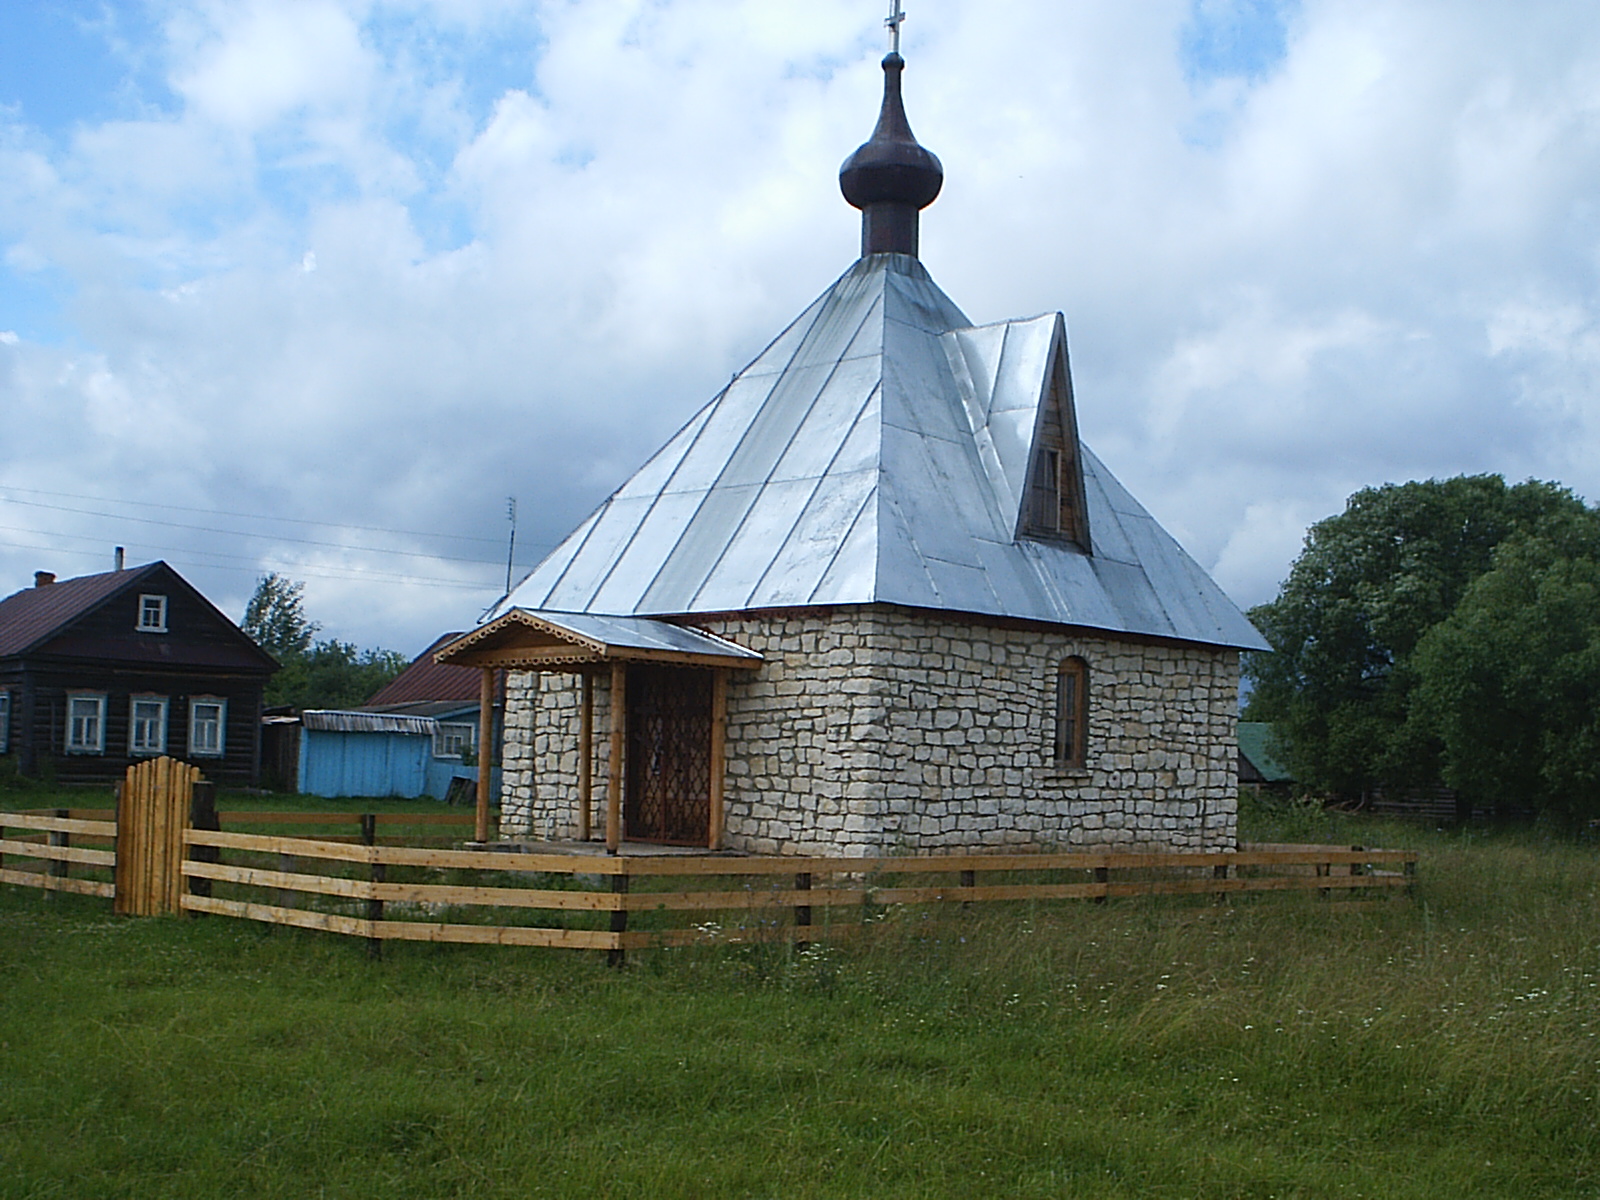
(222, 512)
(273, 537)
(177, 557)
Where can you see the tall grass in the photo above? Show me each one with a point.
(1274, 1046)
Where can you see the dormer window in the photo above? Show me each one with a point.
(1053, 507)
(152, 614)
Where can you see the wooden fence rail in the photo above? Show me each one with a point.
(46, 846)
(767, 898)
(370, 889)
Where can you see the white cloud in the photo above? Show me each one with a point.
(247, 65)
(1379, 262)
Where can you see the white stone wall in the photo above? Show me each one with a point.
(887, 730)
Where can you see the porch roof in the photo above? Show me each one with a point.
(561, 641)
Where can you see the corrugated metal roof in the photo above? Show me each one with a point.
(30, 616)
(877, 452)
(426, 680)
(325, 720)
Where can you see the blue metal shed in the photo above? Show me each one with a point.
(364, 754)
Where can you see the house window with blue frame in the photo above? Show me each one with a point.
(208, 724)
(147, 726)
(152, 614)
(86, 723)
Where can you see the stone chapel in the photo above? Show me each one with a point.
(876, 597)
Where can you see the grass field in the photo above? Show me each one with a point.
(1444, 1046)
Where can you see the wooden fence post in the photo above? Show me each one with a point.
(1102, 875)
(802, 912)
(60, 866)
(969, 879)
(619, 921)
(203, 815)
(369, 836)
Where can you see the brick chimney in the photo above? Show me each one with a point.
(43, 578)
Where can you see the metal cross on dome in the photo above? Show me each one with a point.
(893, 21)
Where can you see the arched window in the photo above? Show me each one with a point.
(1072, 713)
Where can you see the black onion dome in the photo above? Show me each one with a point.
(891, 167)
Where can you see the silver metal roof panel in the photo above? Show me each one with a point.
(642, 633)
(798, 567)
(327, 720)
(877, 451)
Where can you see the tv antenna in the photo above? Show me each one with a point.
(511, 547)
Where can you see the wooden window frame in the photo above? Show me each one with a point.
(152, 618)
(136, 749)
(72, 744)
(467, 733)
(5, 720)
(1070, 746)
(220, 703)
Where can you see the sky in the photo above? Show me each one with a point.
(318, 286)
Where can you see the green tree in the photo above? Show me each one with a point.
(1509, 683)
(1367, 587)
(325, 674)
(276, 618)
(333, 674)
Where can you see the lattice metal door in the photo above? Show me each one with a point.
(668, 795)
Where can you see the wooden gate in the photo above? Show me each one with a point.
(152, 812)
(668, 797)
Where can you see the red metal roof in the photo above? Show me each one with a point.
(425, 680)
(31, 615)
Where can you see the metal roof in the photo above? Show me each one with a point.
(876, 452)
(35, 614)
(1256, 741)
(426, 680)
(327, 720)
(48, 620)
(522, 637)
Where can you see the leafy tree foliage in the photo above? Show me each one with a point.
(315, 674)
(1510, 681)
(333, 674)
(1366, 589)
(276, 618)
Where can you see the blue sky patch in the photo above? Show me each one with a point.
(1235, 39)
(70, 62)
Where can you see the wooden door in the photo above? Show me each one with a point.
(668, 792)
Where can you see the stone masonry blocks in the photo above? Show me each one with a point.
(881, 730)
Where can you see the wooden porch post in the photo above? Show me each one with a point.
(585, 757)
(619, 726)
(719, 747)
(485, 751)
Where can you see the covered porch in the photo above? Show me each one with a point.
(667, 719)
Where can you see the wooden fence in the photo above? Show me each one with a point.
(630, 902)
(359, 886)
(51, 843)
